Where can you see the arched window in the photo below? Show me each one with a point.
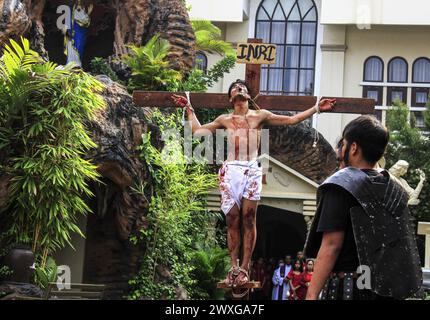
(421, 75)
(291, 25)
(374, 72)
(201, 62)
(421, 71)
(398, 70)
(398, 73)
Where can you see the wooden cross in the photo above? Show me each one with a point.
(252, 78)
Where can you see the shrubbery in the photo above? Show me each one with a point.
(409, 144)
(43, 141)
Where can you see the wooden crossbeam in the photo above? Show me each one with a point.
(253, 76)
(286, 103)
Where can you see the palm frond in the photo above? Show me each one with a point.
(16, 58)
(208, 38)
(214, 46)
(206, 25)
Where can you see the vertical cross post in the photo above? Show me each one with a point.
(253, 73)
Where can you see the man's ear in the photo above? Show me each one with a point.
(355, 148)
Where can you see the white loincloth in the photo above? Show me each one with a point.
(237, 180)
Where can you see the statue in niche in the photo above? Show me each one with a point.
(399, 170)
(76, 33)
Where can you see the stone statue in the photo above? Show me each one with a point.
(76, 33)
(399, 170)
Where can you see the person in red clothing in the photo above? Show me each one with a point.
(294, 278)
(259, 275)
(306, 279)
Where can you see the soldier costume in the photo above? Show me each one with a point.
(371, 208)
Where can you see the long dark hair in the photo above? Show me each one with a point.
(300, 262)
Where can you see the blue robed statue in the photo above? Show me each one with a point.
(76, 33)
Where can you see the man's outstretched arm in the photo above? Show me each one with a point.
(327, 255)
(196, 127)
(280, 120)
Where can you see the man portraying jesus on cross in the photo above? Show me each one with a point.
(240, 177)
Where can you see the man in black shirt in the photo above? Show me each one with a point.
(336, 205)
(362, 223)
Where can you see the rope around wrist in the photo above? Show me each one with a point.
(188, 107)
(317, 105)
(316, 137)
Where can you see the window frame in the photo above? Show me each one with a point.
(414, 102)
(413, 70)
(205, 70)
(301, 71)
(364, 69)
(388, 70)
(404, 90)
(380, 90)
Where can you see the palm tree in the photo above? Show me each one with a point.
(208, 38)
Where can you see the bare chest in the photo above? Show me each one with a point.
(234, 123)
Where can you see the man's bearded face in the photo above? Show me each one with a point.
(239, 92)
(340, 153)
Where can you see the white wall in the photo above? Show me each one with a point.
(343, 71)
(218, 10)
(332, 81)
(74, 258)
(386, 42)
(383, 12)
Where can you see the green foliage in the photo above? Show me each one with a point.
(198, 81)
(43, 140)
(218, 70)
(4, 273)
(151, 70)
(44, 275)
(427, 116)
(4, 270)
(211, 265)
(101, 66)
(398, 117)
(208, 38)
(407, 143)
(150, 67)
(177, 217)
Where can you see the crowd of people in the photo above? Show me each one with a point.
(286, 279)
